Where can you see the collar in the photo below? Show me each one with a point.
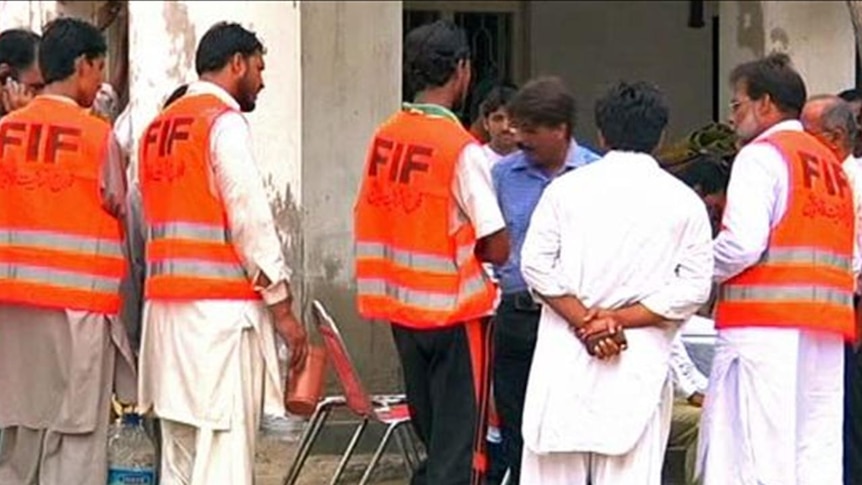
(619, 156)
(786, 125)
(430, 109)
(206, 87)
(575, 157)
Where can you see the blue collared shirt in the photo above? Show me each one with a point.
(519, 185)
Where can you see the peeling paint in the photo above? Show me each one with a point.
(182, 36)
(750, 32)
(779, 40)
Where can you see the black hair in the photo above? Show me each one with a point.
(64, 40)
(851, 95)
(498, 97)
(18, 49)
(774, 76)
(178, 93)
(544, 102)
(632, 116)
(221, 42)
(432, 53)
(706, 171)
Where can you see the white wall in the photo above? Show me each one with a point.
(163, 39)
(817, 35)
(351, 64)
(592, 44)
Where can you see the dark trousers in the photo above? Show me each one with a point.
(852, 416)
(446, 414)
(515, 330)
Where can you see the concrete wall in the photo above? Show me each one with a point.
(818, 36)
(592, 44)
(351, 62)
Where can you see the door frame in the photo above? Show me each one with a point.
(518, 8)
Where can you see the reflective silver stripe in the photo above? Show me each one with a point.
(60, 242)
(423, 299)
(465, 252)
(193, 268)
(418, 298)
(473, 286)
(56, 277)
(807, 255)
(427, 262)
(188, 230)
(817, 294)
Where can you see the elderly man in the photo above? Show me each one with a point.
(629, 241)
(784, 262)
(62, 346)
(833, 122)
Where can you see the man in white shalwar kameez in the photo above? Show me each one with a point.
(631, 243)
(208, 366)
(773, 411)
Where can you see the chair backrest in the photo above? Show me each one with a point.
(354, 392)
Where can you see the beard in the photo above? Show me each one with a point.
(247, 104)
(246, 96)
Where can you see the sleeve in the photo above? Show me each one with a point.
(540, 253)
(133, 283)
(753, 198)
(687, 379)
(474, 191)
(853, 176)
(688, 287)
(112, 184)
(241, 189)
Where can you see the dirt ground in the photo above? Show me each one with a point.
(274, 455)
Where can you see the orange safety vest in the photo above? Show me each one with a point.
(59, 248)
(411, 268)
(189, 251)
(805, 277)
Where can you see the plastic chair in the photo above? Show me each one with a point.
(389, 410)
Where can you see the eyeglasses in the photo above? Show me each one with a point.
(736, 103)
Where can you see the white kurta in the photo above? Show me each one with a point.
(198, 356)
(773, 411)
(614, 233)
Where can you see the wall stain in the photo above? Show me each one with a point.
(779, 41)
(750, 32)
(182, 40)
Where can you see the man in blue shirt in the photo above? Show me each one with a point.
(543, 113)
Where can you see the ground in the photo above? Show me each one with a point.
(275, 453)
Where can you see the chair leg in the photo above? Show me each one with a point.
(377, 454)
(348, 452)
(309, 436)
(417, 456)
(399, 438)
(507, 477)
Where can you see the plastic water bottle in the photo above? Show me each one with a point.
(131, 454)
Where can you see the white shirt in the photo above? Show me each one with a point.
(853, 168)
(207, 330)
(687, 379)
(613, 233)
(756, 202)
(474, 193)
(492, 156)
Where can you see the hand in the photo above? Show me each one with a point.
(598, 321)
(602, 334)
(696, 399)
(293, 333)
(14, 95)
